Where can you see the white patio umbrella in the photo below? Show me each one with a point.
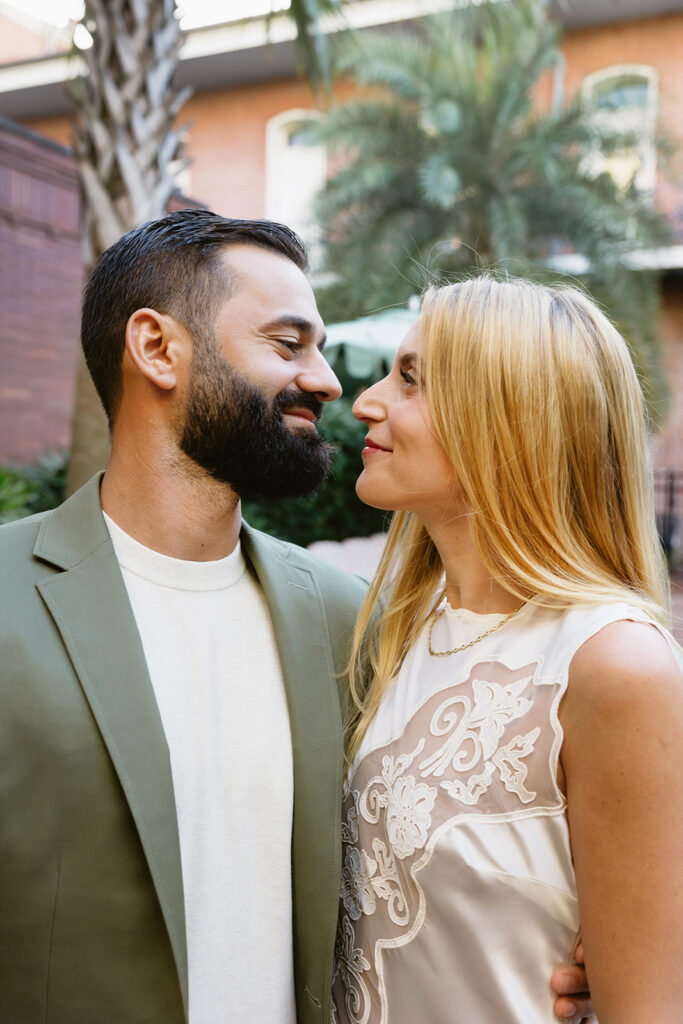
(370, 343)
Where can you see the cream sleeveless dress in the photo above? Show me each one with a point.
(458, 896)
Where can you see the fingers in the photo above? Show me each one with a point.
(568, 980)
(571, 985)
(571, 1011)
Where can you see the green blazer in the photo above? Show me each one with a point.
(91, 900)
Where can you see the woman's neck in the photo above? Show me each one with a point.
(469, 584)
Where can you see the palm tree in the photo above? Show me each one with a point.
(128, 150)
(447, 165)
(125, 146)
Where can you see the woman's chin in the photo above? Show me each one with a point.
(370, 495)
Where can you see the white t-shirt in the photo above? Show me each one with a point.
(211, 655)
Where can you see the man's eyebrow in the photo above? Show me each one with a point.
(299, 323)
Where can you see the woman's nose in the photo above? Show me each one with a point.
(368, 405)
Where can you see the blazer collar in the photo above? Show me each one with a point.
(89, 604)
(74, 530)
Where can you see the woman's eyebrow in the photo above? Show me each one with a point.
(407, 358)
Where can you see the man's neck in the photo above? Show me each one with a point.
(183, 515)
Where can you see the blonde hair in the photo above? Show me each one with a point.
(534, 397)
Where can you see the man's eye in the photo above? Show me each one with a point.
(408, 377)
(293, 346)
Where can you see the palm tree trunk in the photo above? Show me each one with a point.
(127, 154)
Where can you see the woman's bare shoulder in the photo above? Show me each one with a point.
(625, 655)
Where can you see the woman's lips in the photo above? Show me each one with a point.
(372, 448)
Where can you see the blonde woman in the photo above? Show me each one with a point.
(514, 780)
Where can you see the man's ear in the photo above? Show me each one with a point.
(155, 345)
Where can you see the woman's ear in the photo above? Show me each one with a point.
(154, 345)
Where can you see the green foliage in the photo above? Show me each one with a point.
(15, 495)
(312, 41)
(447, 168)
(334, 512)
(33, 488)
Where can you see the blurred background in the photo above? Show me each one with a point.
(407, 141)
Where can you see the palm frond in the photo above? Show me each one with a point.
(313, 44)
(450, 166)
(393, 60)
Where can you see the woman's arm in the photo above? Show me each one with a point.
(623, 760)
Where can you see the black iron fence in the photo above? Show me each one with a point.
(669, 510)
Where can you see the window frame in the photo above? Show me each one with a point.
(645, 177)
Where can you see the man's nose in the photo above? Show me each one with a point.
(319, 377)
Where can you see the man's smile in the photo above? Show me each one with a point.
(297, 413)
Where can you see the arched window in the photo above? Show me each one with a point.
(624, 98)
(295, 173)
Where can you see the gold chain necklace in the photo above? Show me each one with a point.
(470, 643)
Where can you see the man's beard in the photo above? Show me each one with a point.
(233, 432)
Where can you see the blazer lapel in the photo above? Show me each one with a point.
(90, 607)
(301, 633)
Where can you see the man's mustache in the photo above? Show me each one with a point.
(292, 398)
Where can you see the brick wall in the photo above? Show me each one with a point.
(40, 284)
(669, 449)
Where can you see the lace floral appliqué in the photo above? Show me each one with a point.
(469, 750)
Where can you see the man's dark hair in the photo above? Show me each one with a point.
(171, 265)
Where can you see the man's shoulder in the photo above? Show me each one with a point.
(18, 564)
(20, 535)
(331, 580)
(327, 574)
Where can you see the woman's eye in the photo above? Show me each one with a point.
(408, 377)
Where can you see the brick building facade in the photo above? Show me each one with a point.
(40, 284)
(242, 99)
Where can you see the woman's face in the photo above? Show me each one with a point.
(405, 465)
